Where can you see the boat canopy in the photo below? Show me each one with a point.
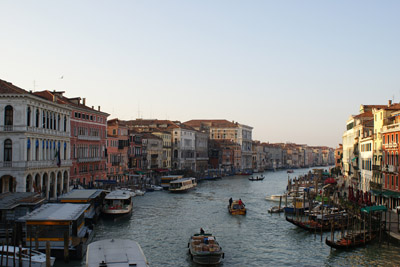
(374, 208)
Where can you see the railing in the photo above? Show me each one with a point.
(390, 145)
(34, 164)
(392, 168)
(95, 159)
(375, 186)
(89, 138)
(376, 167)
(31, 129)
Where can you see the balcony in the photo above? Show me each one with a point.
(31, 129)
(83, 160)
(89, 138)
(376, 167)
(40, 164)
(375, 186)
(390, 145)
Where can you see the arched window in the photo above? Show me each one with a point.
(8, 116)
(54, 122)
(65, 123)
(37, 118)
(51, 121)
(28, 117)
(44, 119)
(47, 120)
(7, 150)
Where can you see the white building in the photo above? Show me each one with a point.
(35, 140)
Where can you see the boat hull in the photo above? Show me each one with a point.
(207, 258)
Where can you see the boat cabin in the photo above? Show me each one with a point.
(182, 185)
(55, 223)
(165, 180)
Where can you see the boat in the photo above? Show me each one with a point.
(290, 171)
(29, 257)
(165, 180)
(257, 178)
(275, 209)
(204, 249)
(351, 241)
(60, 224)
(115, 252)
(316, 225)
(156, 187)
(182, 185)
(139, 192)
(118, 203)
(236, 209)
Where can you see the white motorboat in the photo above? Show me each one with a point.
(139, 192)
(37, 259)
(182, 185)
(115, 252)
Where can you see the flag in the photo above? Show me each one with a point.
(57, 157)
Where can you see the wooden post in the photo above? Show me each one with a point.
(390, 223)
(66, 246)
(48, 262)
(2, 253)
(14, 264)
(7, 243)
(30, 245)
(20, 255)
(280, 202)
(36, 239)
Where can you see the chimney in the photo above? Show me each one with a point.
(84, 101)
(54, 98)
(92, 107)
(389, 103)
(98, 108)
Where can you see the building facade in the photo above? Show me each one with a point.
(35, 140)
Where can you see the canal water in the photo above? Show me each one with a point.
(163, 222)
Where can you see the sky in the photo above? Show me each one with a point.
(293, 70)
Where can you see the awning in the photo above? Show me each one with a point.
(391, 194)
(374, 208)
(140, 172)
(106, 181)
(161, 170)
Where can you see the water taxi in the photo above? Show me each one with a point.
(63, 225)
(257, 178)
(204, 249)
(165, 180)
(236, 209)
(182, 185)
(29, 257)
(115, 252)
(118, 203)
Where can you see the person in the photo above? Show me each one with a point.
(240, 202)
(201, 231)
(230, 202)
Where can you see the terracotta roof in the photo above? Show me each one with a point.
(395, 106)
(9, 88)
(211, 123)
(364, 115)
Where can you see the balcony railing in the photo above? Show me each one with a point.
(375, 186)
(82, 160)
(40, 164)
(89, 138)
(390, 145)
(376, 167)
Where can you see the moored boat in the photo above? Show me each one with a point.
(237, 209)
(204, 249)
(351, 241)
(115, 252)
(275, 209)
(182, 185)
(257, 178)
(29, 257)
(118, 203)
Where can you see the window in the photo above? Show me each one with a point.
(384, 139)
(8, 116)
(7, 150)
(28, 117)
(37, 118)
(65, 123)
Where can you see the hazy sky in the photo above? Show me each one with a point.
(293, 70)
